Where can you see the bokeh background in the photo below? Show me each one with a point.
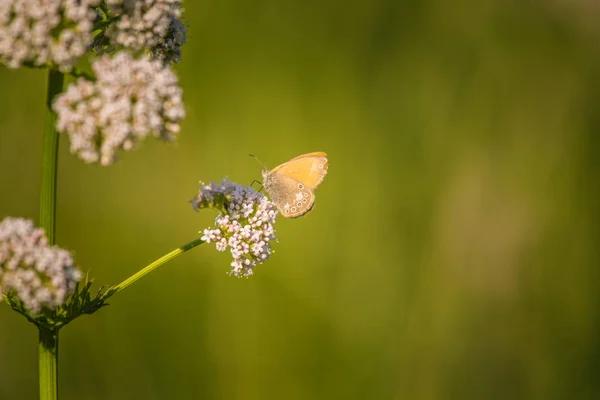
(453, 249)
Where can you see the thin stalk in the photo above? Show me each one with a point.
(151, 267)
(48, 363)
(48, 340)
(50, 158)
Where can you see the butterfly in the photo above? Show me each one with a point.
(290, 185)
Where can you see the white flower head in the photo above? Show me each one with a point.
(40, 275)
(44, 32)
(148, 25)
(245, 225)
(130, 100)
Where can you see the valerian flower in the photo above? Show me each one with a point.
(130, 100)
(245, 225)
(153, 25)
(40, 275)
(45, 32)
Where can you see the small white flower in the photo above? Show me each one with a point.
(40, 275)
(222, 244)
(208, 236)
(245, 225)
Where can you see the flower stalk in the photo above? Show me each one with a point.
(151, 267)
(50, 158)
(48, 339)
(48, 363)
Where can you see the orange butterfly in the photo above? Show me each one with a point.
(291, 184)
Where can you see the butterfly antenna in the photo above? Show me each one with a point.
(255, 181)
(256, 158)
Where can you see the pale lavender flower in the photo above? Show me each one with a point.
(43, 32)
(130, 100)
(245, 225)
(38, 274)
(148, 25)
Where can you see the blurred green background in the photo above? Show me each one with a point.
(453, 249)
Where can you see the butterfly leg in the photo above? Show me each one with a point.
(259, 182)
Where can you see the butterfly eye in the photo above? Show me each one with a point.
(305, 194)
(287, 211)
(293, 209)
(300, 186)
(304, 200)
(321, 166)
(299, 204)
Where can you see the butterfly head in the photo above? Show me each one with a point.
(265, 171)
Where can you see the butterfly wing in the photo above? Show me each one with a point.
(309, 169)
(292, 198)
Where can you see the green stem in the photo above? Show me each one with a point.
(48, 342)
(50, 158)
(151, 267)
(48, 354)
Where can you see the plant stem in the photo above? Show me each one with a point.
(50, 159)
(151, 267)
(48, 354)
(48, 341)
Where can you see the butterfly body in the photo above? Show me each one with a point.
(291, 184)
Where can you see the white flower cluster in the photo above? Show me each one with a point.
(40, 275)
(130, 100)
(45, 31)
(245, 225)
(148, 24)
